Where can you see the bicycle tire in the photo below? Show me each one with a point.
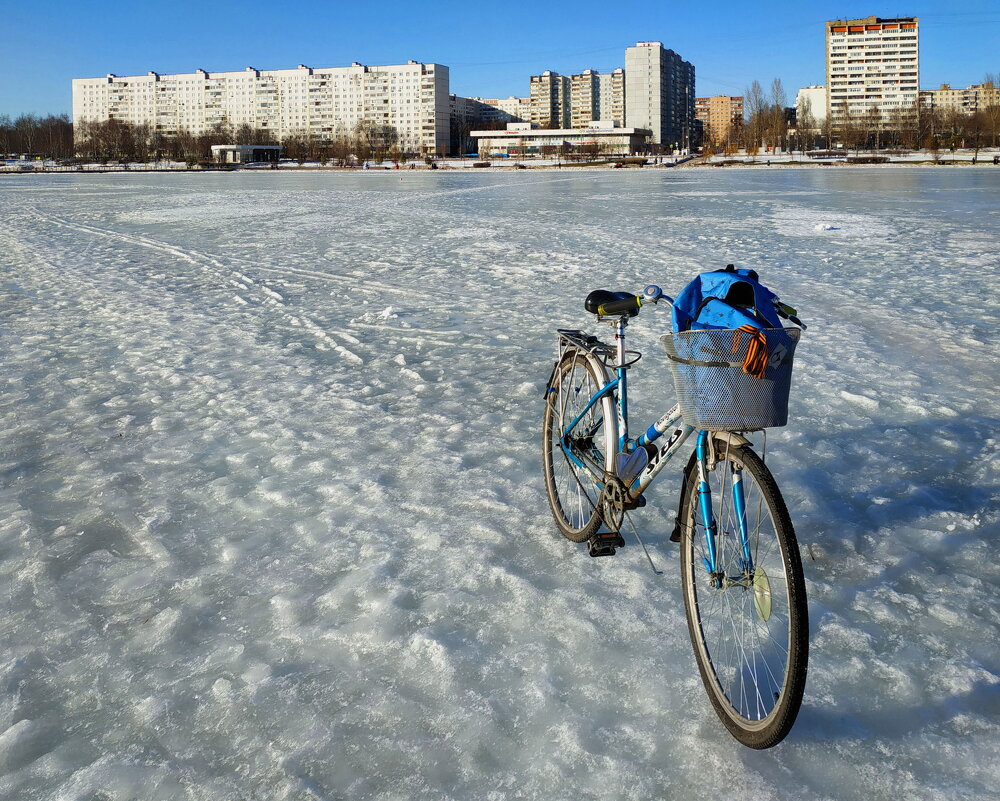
(571, 490)
(750, 638)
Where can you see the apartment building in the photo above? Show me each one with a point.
(597, 96)
(872, 63)
(962, 101)
(719, 116)
(811, 99)
(550, 100)
(660, 94)
(510, 109)
(325, 103)
(474, 111)
(572, 101)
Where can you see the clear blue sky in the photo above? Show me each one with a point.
(44, 44)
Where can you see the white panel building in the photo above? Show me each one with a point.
(659, 94)
(325, 103)
(872, 62)
(813, 100)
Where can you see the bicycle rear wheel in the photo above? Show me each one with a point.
(749, 623)
(572, 472)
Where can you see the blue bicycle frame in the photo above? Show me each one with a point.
(671, 421)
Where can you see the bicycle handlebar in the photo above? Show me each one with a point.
(789, 313)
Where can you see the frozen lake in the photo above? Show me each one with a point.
(272, 522)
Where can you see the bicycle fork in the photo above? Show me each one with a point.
(711, 525)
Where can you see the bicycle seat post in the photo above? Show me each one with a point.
(620, 340)
(620, 370)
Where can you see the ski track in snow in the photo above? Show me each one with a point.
(272, 523)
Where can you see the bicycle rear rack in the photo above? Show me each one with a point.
(608, 354)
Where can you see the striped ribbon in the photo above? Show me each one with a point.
(755, 363)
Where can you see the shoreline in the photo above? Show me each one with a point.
(512, 168)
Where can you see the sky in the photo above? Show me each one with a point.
(45, 44)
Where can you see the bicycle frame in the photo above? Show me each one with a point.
(671, 421)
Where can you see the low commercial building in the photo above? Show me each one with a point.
(599, 138)
(245, 154)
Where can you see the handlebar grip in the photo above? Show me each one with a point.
(615, 307)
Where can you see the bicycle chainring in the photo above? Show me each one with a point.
(612, 502)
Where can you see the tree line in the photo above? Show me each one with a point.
(116, 140)
(50, 136)
(768, 124)
(123, 141)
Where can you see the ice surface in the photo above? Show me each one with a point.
(272, 523)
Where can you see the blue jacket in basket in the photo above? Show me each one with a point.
(728, 298)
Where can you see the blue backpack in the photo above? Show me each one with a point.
(728, 298)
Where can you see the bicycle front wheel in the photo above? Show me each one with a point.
(575, 459)
(748, 621)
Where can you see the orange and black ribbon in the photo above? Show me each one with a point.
(755, 363)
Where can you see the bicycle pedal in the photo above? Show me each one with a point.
(605, 543)
(638, 503)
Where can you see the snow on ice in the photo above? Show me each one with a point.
(272, 523)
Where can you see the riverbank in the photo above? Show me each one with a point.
(984, 158)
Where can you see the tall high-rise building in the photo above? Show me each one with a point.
(659, 94)
(719, 115)
(573, 101)
(597, 96)
(872, 63)
(550, 100)
(612, 100)
(324, 103)
(585, 98)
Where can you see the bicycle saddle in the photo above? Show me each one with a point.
(599, 297)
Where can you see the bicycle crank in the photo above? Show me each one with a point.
(612, 506)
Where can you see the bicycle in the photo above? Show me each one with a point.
(741, 573)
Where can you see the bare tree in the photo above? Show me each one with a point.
(777, 125)
(975, 129)
(992, 110)
(6, 134)
(755, 108)
(378, 138)
(27, 128)
(805, 125)
(851, 130)
(872, 124)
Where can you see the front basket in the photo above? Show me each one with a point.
(714, 391)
